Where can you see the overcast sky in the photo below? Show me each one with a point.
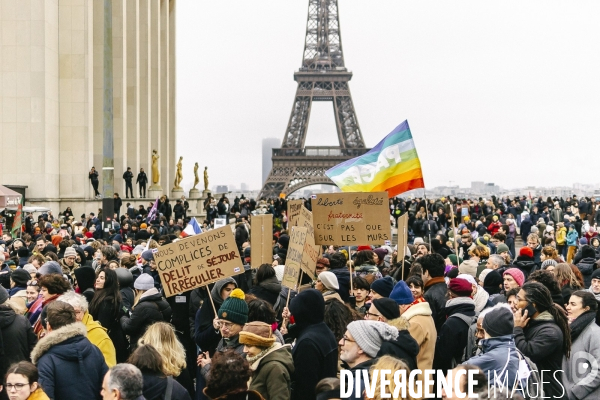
(505, 92)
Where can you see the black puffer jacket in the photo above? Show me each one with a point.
(150, 309)
(526, 264)
(267, 290)
(18, 338)
(586, 266)
(155, 386)
(405, 348)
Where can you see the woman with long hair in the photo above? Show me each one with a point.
(156, 380)
(105, 308)
(542, 333)
(51, 286)
(21, 382)
(585, 335)
(266, 285)
(567, 281)
(161, 336)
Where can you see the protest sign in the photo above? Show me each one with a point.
(293, 259)
(311, 250)
(220, 222)
(261, 239)
(351, 218)
(402, 237)
(293, 210)
(198, 260)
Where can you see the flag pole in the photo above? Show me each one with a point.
(455, 233)
(427, 211)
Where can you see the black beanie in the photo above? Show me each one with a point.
(308, 307)
(20, 277)
(596, 274)
(492, 282)
(387, 307)
(498, 322)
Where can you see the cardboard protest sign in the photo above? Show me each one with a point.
(293, 211)
(402, 237)
(351, 218)
(261, 238)
(198, 260)
(293, 259)
(312, 251)
(219, 222)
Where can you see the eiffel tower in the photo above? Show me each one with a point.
(322, 77)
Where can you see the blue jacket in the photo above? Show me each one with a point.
(499, 355)
(70, 366)
(572, 238)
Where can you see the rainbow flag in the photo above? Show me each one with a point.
(393, 165)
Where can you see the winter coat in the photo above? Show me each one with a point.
(404, 347)
(241, 235)
(561, 236)
(271, 374)
(526, 228)
(267, 290)
(572, 238)
(435, 295)
(454, 334)
(343, 278)
(205, 335)
(541, 340)
(422, 329)
(16, 336)
(155, 386)
(494, 358)
(97, 335)
(151, 308)
(19, 301)
(526, 264)
(587, 342)
(70, 367)
(586, 266)
(364, 366)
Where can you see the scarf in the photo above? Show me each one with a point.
(260, 355)
(580, 323)
(459, 300)
(433, 281)
(481, 299)
(596, 295)
(417, 301)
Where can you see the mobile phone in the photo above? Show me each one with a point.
(530, 310)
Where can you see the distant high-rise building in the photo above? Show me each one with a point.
(268, 145)
(244, 187)
(222, 189)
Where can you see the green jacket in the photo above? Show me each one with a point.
(271, 373)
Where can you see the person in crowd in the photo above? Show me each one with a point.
(513, 278)
(33, 292)
(585, 339)
(567, 282)
(18, 289)
(416, 286)
(381, 287)
(595, 290)
(586, 263)
(498, 358)
(421, 325)
(454, 333)
(541, 332)
(156, 381)
(571, 240)
(106, 308)
(22, 382)
(86, 279)
(337, 263)
(364, 264)
(525, 261)
(315, 353)
(322, 265)
(161, 336)
(327, 284)
(261, 311)
(123, 381)
(361, 292)
(96, 333)
(404, 347)
(392, 364)
(549, 280)
(228, 378)
(435, 286)
(51, 286)
(266, 287)
(360, 345)
(232, 316)
(149, 307)
(493, 284)
(270, 362)
(70, 366)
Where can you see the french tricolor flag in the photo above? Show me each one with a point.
(192, 228)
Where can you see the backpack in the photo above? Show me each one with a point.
(469, 321)
(532, 383)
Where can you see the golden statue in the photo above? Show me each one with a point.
(206, 178)
(196, 179)
(155, 173)
(178, 175)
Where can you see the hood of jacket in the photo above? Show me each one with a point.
(7, 316)
(215, 292)
(65, 343)
(308, 307)
(278, 353)
(493, 343)
(586, 265)
(422, 308)
(405, 342)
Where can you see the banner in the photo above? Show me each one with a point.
(293, 259)
(351, 218)
(293, 210)
(18, 221)
(312, 251)
(261, 240)
(198, 260)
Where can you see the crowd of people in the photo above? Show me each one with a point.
(83, 316)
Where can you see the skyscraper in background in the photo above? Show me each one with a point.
(268, 145)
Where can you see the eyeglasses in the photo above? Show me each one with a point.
(226, 325)
(370, 314)
(16, 386)
(33, 282)
(345, 339)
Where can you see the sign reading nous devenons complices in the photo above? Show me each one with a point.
(198, 260)
(351, 218)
